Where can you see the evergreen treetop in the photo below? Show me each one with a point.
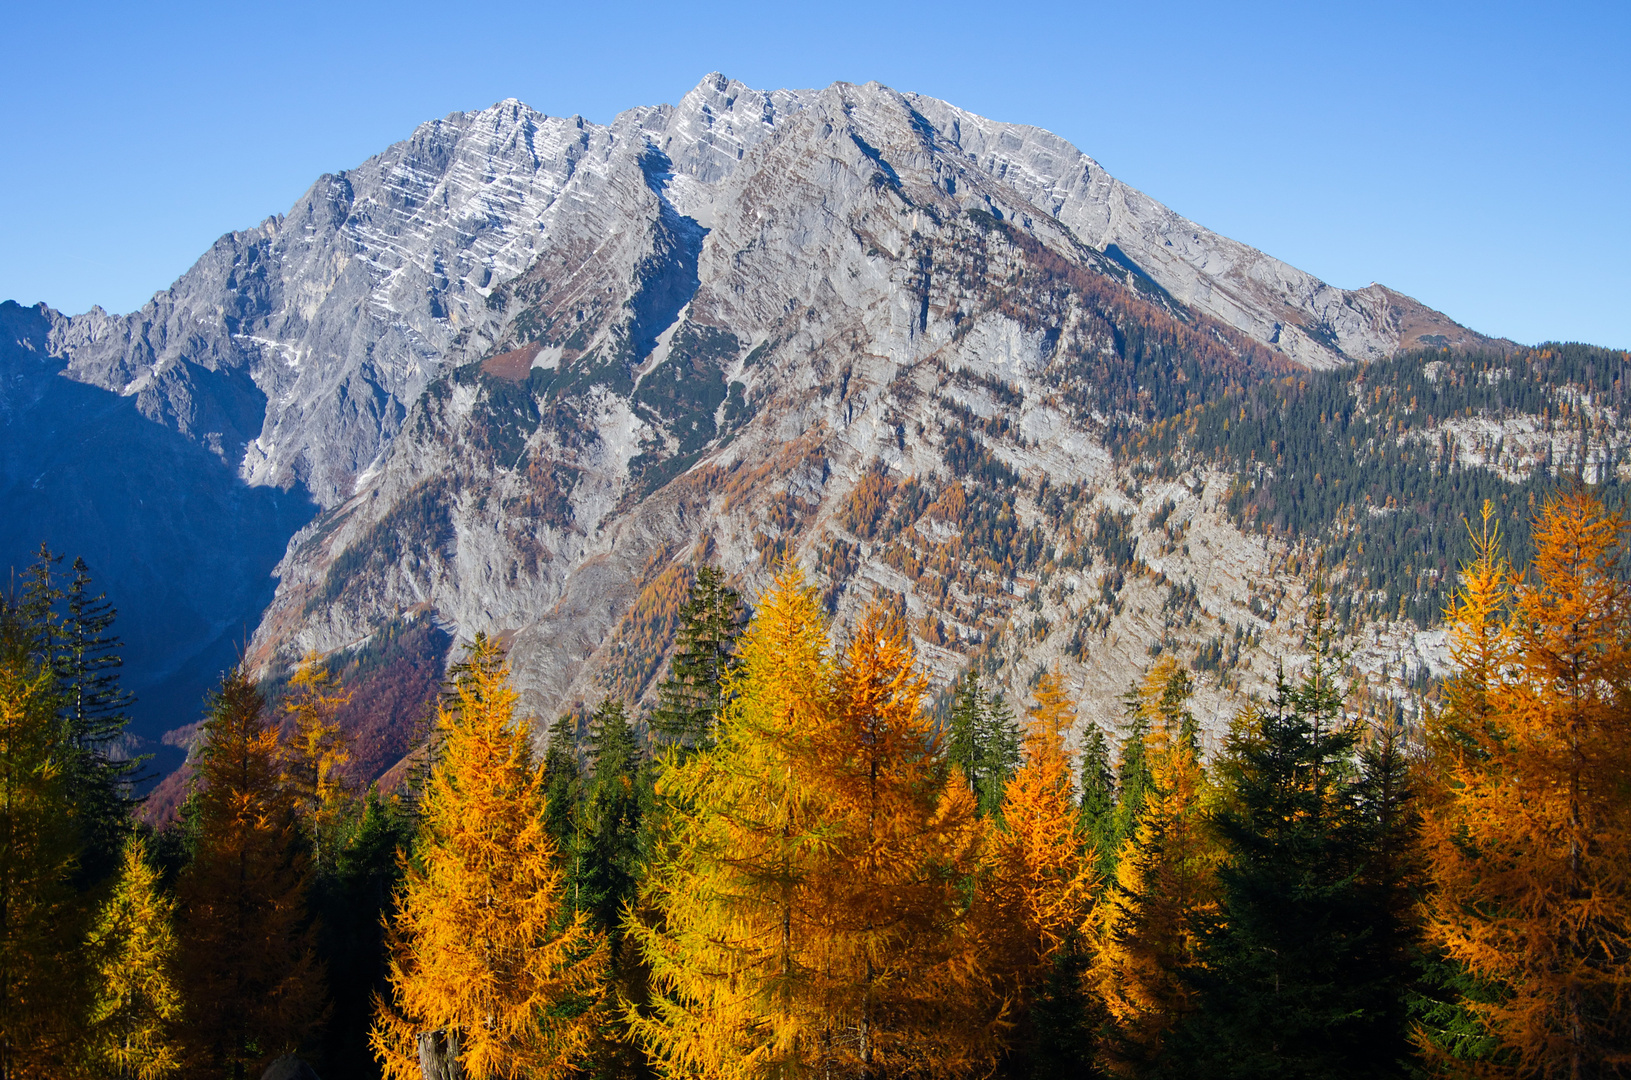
(689, 701)
(983, 740)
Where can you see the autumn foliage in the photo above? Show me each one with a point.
(1039, 881)
(1529, 839)
(727, 942)
(898, 977)
(136, 999)
(247, 961)
(485, 956)
(806, 914)
(789, 867)
(36, 861)
(1148, 924)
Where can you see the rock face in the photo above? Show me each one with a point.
(184, 549)
(881, 335)
(294, 349)
(530, 365)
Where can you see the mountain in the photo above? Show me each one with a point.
(527, 369)
(185, 549)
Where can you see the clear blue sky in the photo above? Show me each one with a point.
(1474, 155)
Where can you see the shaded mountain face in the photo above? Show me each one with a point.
(530, 367)
(185, 550)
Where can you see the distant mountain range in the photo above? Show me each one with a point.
(518, 373)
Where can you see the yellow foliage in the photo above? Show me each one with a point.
(135, 999)
(728, 951)
(482, 946)
(316, 751)
(865, 505)
(1529, 842)
(900, 992)
(952, 505)
(647, 630)
(1163, 694)
(804, 914)
(37, 844)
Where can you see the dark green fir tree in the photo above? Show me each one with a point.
(690, 699)
(563, 782)
(1098, 800)
(1289, 984)
(983, 740)
(95, 708)
(608, 833)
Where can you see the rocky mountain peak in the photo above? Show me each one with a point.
(323, 325)
(536, 339)
(717, 122)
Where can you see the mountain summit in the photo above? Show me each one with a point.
(531, 368)
(330, 319)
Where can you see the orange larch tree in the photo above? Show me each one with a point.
(1036, 890)
(315, 753)
(1038, 886)
(1528, 841)
(487, 965)
(900, 992)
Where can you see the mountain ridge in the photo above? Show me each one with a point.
(653, 274)
(511, 159)
(849, 281)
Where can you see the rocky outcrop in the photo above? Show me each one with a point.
(293, 350)
(853, 347)
(513, 357)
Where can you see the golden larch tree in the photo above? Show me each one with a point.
(1147, 930)
(487, 962)
(1528, 841)
(316, 752)
(900, 989)
(1037, 890)
(249, 973)
(135, 997)
(726, 915)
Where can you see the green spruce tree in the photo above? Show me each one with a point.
(982, 740)
(95, 712)
(1132, 780)
(563, 783)
(1390, 880)
(352, 899)
(1097, 806)
(1288, 981)
(610, 829)
(690, 699)
(609, 836)
(69, 633)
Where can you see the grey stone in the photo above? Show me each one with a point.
(289, 1067)
(862, 264)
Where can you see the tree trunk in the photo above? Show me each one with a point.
(439, 1055)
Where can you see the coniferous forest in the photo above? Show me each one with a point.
(792, 866)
